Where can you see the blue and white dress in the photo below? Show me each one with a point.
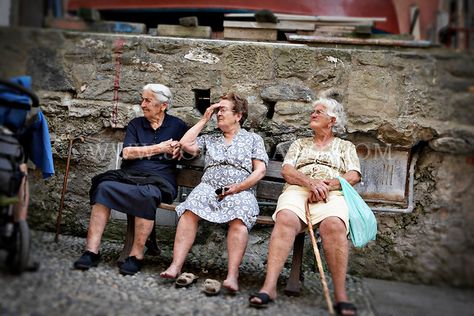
(225, 165)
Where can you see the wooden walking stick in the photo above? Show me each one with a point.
(63, 192)
(318, 260)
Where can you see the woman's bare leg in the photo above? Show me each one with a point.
(183, 241)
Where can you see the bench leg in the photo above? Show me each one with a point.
(127, 247)
(151, 245)
(293, 287)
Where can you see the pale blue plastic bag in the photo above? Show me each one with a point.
(362, 222)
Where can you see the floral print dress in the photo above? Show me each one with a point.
(225, 165)
(335, 159)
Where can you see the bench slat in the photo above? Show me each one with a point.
(188, 178)
(274, 170)
(265, 220)
(269, 190)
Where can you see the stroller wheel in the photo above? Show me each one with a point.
(17, 259)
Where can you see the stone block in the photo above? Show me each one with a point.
(294, 62)
(451, 145)
(184, 31)
(286, 92)
(372, 92)
(189, 21)
(245, 62)
(291, 113)
(256, 114)
(47, 70)
(250, 34)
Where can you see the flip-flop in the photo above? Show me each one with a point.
(345, 308)
(211, 287)
(186, 279)
(264, 300)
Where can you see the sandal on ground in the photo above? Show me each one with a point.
(345, 309)
(211, 287)
(264, 300)
(186, 279)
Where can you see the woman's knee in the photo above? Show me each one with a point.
(287, 220)
(332, 226)
(238, 225)
(189, 216)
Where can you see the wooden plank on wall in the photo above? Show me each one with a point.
(347, 23)
(287, 17)
(183, 31)
(282, 25)
(311, 18)
(357, 41)
(329, 18)
(250, 34)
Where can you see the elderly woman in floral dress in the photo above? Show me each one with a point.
(310, 168)
(235, 160)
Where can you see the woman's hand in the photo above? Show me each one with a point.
(188, 141)
(177, 153)
(169, 147)
(230, 189)
(333, 184)
(319, 191)
(213, 108)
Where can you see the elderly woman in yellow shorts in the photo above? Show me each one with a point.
(310, 168)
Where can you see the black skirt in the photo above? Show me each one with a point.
(139, 200)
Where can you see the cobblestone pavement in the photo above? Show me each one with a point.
(57, 289)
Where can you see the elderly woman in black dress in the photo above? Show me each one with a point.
(235, 160)
(146, 177)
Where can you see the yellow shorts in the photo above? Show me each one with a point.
(295, 197)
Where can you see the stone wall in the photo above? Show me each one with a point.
(419, 99)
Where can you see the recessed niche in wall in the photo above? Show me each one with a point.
(271, 108)
(202, 99)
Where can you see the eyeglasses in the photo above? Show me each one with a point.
(319, 113)
(224, 110)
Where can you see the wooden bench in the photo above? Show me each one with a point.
(382, 173)
(189, 173)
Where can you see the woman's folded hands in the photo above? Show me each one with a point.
(319, 191)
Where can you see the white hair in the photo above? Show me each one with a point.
(334, 109)
(162, 93)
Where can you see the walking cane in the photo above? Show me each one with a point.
(63, 192)
(318, 260)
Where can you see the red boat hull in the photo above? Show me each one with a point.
(360, 8)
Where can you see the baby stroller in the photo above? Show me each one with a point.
(18, 108)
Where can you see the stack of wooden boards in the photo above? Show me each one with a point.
(240, 26)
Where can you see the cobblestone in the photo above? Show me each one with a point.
(57, 289)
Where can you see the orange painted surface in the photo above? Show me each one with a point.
(428, 11)
(350, 8)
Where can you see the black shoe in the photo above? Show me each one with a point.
(87, 260)
(131, 266)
